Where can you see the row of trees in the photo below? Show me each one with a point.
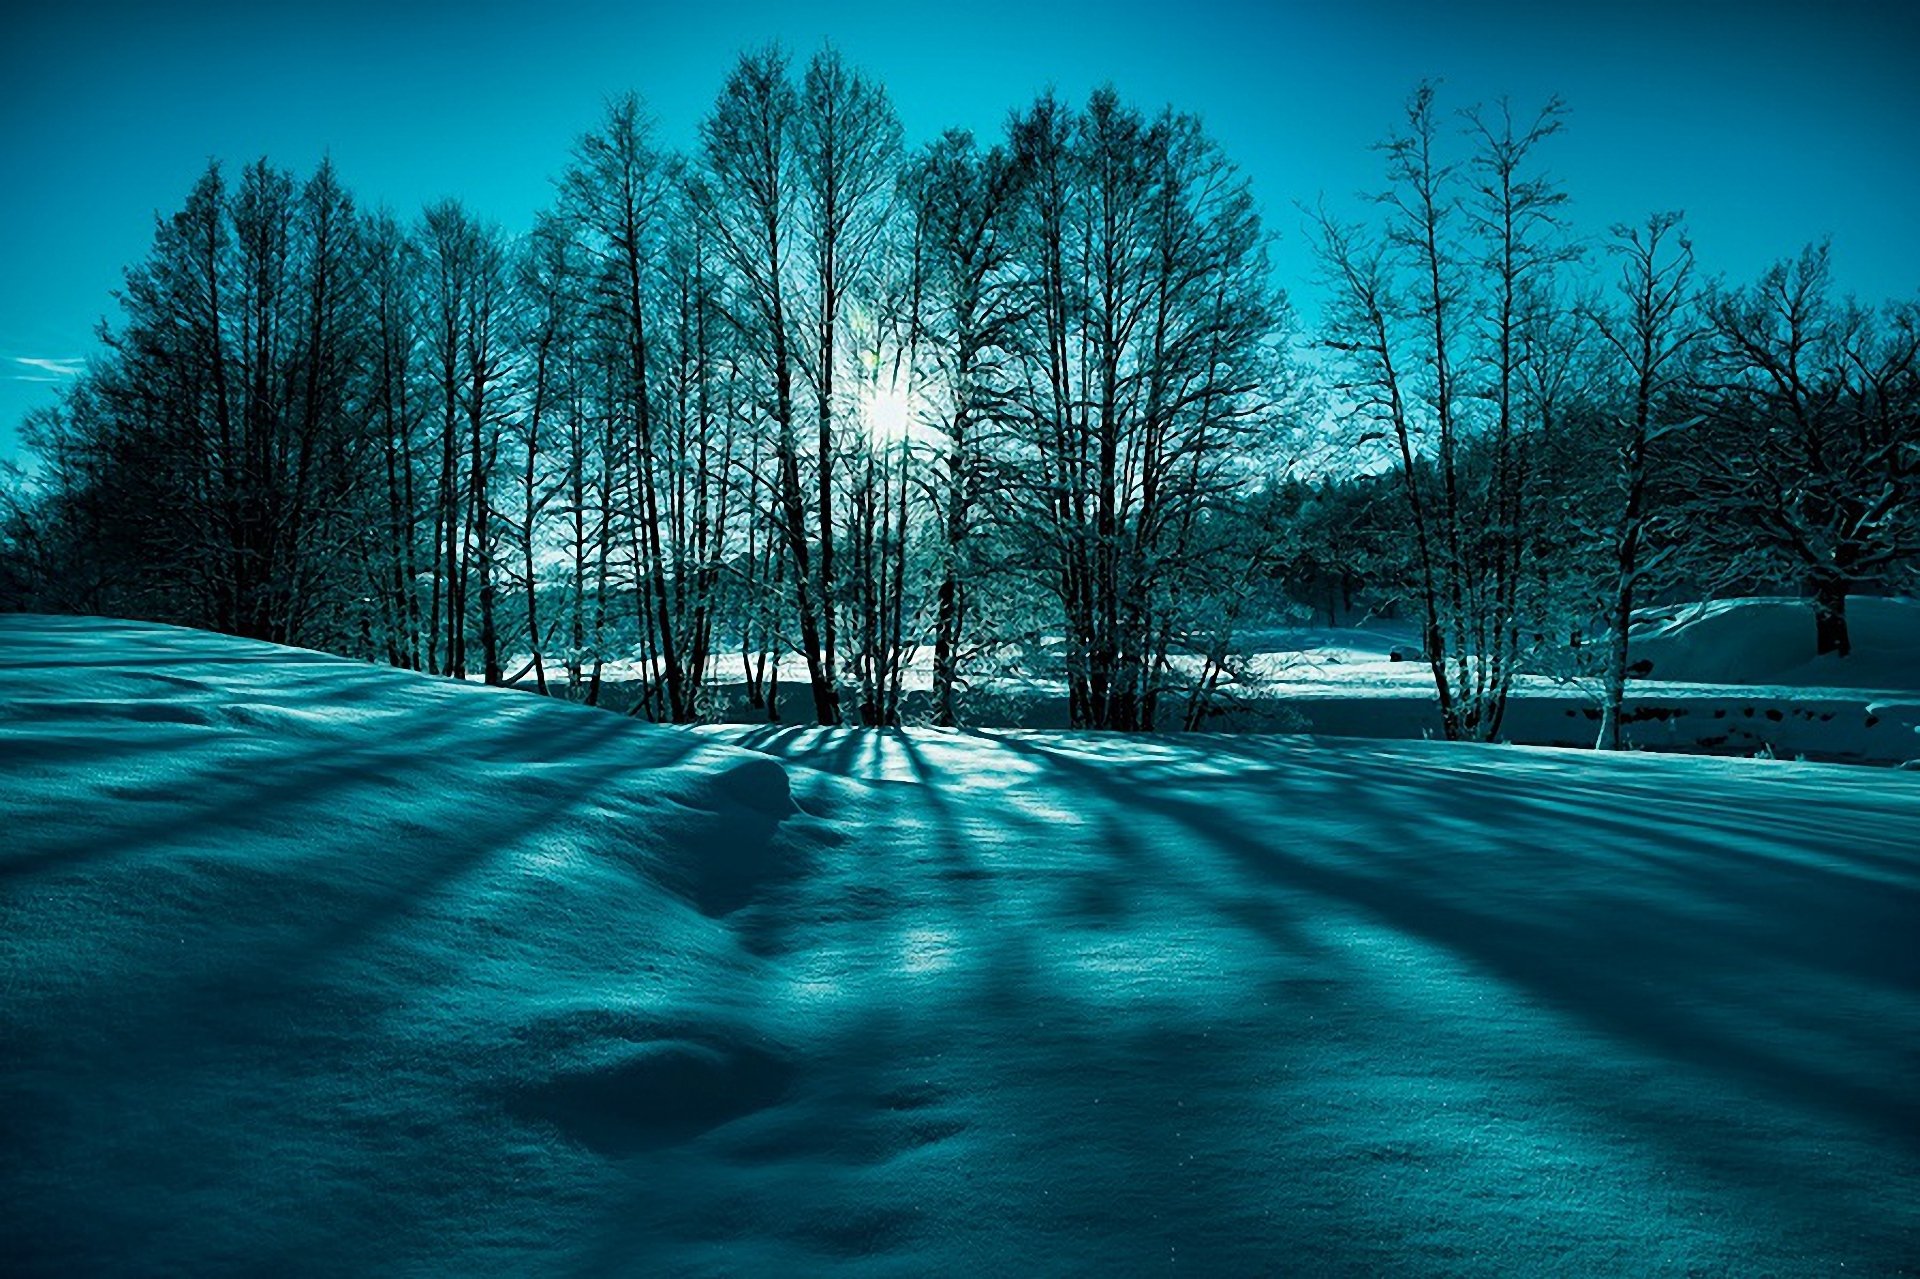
(808, 394)
(656, 429)
(1564, 443)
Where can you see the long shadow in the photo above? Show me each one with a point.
(1591, 962)
(823, 1189)
(821, 1195)
(1849, 909)
(249, 775)
(1589, 802)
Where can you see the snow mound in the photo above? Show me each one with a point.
(1770, 640)
(728, 853)
(757, 784)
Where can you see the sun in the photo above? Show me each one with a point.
(891, 410)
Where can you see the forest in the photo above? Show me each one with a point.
(899, 422)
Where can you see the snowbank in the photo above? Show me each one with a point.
(1767, 640)
(316, 967)
(312, 968)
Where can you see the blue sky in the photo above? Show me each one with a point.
(1770, 124)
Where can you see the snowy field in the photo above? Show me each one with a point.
(1733, 677)
(309, 967)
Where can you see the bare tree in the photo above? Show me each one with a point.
(884, 511)
(1810, 456)
(701, 435)
(1413, 305)
(466, 303)
(619, 193)
(846, 145)
(395, 410)
(746, 197)
(1153, 360)
(1649, 337)
(970, 311)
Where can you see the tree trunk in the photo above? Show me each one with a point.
(1830, 616)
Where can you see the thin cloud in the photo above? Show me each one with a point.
(72, 367)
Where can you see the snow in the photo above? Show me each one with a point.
(312, 967)
(1770, 640)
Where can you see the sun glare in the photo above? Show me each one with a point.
(891, 411)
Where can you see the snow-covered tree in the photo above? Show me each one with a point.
(1811, 449)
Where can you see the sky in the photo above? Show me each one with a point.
(1769, 124)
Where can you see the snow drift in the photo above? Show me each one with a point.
(316, 968)
(1767, 640)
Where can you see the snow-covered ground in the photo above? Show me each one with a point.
(1769, 641)
(309, 967)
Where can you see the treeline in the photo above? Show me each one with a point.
(1028, 406)
(799, 393)
(1571, 427)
